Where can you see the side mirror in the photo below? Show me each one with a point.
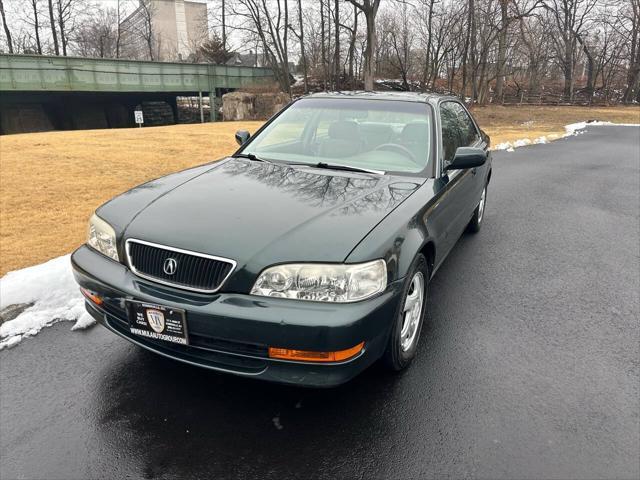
(242, 136)
(467, 157)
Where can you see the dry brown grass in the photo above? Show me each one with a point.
(506, 124)
(50, 183)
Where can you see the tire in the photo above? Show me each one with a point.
(399, 354)
(478, 214)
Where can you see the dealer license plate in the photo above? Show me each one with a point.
(158, 322)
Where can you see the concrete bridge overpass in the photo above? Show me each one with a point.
(44, 92)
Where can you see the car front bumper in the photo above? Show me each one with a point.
(231, 332)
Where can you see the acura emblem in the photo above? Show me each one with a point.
(170, 266)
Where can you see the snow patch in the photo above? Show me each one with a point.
(576, 128)
(522, 142)
(570, 130)
(503, 146)
(55, 296)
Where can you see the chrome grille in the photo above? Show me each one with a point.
(193, 271)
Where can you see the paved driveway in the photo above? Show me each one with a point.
(529, 366)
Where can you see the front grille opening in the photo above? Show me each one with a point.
(191, 270)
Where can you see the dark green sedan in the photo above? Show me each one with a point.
(304, 257)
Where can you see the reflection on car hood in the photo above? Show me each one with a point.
(263, 213)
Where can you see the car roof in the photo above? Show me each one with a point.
(398, 96)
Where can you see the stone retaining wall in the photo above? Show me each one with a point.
(252, 106)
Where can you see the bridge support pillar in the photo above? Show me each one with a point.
(173, 103)
(213, 113)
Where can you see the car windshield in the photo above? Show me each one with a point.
(383, 135)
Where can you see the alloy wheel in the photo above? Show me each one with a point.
(412, 312)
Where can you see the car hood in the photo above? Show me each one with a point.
(260, 214)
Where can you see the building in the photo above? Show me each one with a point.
(245, 59)
(165, 30)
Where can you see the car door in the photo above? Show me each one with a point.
(457, 187)
(475, 138)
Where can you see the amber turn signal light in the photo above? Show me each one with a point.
(309, 356)
(92, 296)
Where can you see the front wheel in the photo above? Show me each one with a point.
(403, 341)
(478, 214)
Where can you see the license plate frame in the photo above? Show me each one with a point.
(158, 322)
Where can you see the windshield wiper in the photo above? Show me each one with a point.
(336, 166)
(251, 157)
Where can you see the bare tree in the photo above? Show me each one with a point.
(70, 13)
(35, 23)
(428, 34)
(303, 56)
(7, 32)
(97, 36)
(224, 25)
(370, 9)
(353, 37)
(63, 16)
(119, 13)
(336, 46)
(54, 34)
(570, 16)
(534, 38)
(323, 48)
(305, 71)
(146, 29)
(633, 74)
(401, 37)
(269, 21)
(469, 35)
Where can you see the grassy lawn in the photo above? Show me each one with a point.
(51, 182)
(506, 124)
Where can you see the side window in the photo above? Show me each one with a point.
(458, 130)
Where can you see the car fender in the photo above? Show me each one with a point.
(400, 236)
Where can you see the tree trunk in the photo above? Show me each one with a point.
(465, 54)
(369, 69)
(61, 21)
(323, 49)
(336, 53)
(427, 61)
(36, 25)
(633, 75)
(590, 69)
(470, 56)
(118, 31)
(7, 32)
(54, 34)
(285, 49)
(302, 52)
(370, 10)
(568, 71)
(352, 46)
(224, 26)
(502, 51)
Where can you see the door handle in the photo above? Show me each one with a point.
(474, 170)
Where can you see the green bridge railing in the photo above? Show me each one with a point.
(37, 73)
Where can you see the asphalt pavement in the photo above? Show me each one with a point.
(528, 368)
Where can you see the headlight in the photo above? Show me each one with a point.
(323, 282)
(102, 237)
